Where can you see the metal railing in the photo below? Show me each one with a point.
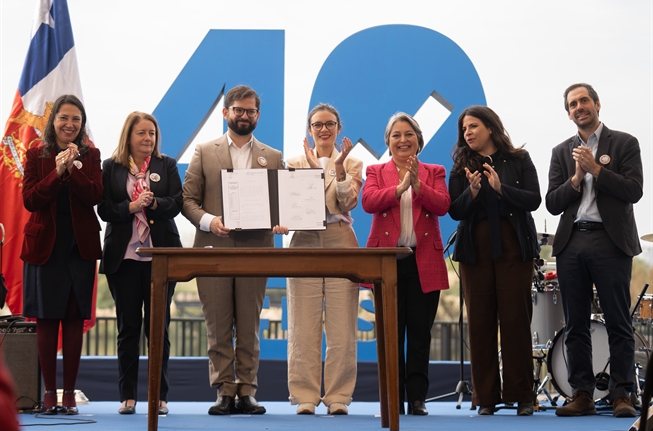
(188, 338)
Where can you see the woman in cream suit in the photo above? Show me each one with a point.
(331, 302)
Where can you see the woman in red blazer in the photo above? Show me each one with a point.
(62, 183)
(406, 198)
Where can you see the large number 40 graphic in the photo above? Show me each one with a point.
(368, 77)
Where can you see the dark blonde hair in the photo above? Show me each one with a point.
(121, 154)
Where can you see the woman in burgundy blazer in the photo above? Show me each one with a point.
(62, 183)
(406, 198)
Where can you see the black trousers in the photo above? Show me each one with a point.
(416, 313)
(592, 258)
(130, 288)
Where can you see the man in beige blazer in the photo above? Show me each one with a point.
(230, 304)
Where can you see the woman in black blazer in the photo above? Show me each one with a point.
(142, 195)
(494, 188)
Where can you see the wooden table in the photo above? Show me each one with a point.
(369, 265)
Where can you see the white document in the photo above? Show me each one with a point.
(246, 199)
(301, 199)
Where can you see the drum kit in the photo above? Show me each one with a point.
(548, 334)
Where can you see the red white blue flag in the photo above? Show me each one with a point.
(50, 70)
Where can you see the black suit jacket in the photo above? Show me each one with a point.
(114, 209)
(520, 195)
(618, 186)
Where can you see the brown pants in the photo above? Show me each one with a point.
(498, 293)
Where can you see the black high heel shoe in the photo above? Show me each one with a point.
(49, 410)
(66, 410)
(127, 410)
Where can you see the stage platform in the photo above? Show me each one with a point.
(280, 416)
(189, 381)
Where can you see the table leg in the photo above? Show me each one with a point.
(158, 302)
(389, 279)
(380, 352)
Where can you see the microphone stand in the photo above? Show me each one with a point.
(463, 387)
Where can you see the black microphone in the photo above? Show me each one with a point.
(452, 239)
(488, 160)
(484, 160)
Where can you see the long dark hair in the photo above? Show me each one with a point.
(464, 157)
(50, 135)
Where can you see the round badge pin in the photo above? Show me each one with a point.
(77, 164)
(155, 177)
(262, 161)
(604, 159)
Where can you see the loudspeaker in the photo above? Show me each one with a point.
(18, 341)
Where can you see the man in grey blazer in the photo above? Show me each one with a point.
(595, 177)
(230, 304)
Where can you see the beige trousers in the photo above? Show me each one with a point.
(232, 314)
(314, 303)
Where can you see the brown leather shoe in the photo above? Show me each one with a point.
(524, 409)
(581, 404)
(623, 408)
(486, 410)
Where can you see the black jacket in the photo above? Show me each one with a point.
(114, 209)
(520, 195)
(618, 186)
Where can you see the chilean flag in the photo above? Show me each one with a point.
(50, 70)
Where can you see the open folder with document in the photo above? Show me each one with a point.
(262, 198)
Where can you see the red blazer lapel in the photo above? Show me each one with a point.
(422, 174)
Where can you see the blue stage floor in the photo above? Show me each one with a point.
(363, 416)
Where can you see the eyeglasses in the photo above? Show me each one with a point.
(251, 113)
(330, 125)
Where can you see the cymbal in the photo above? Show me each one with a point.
(545, 238)
(648, 237)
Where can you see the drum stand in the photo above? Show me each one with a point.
(540, 386)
